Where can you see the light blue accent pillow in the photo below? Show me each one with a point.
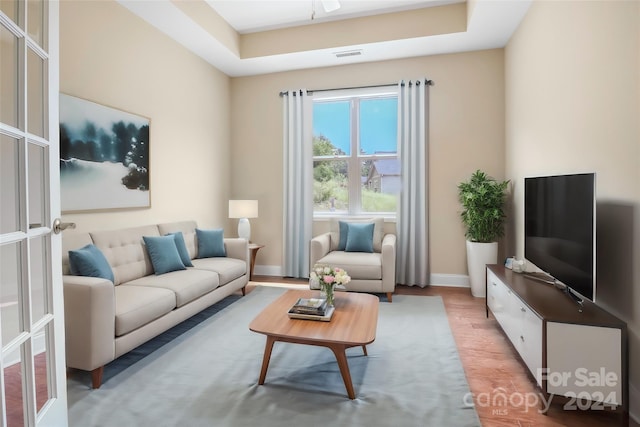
(344, 231)
(90, 261)
(359, 237)
(182, 248)
(210, 243)
(163, 253)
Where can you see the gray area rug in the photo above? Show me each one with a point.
(207, 376)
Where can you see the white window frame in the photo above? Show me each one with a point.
(355, 159)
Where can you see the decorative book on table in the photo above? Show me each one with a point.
(310, 306)
(328, 313)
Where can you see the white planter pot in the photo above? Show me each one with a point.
(478, 256)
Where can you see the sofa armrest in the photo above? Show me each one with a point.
(388, 263)
(237, 248)
(319, 247)
(89, 317)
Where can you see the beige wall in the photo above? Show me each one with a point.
(110, 56)
(572, 73)
(466, 133)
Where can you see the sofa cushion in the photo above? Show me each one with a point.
(163, 253)
(137, 306)
(228, 268)
(188, 230)
(182, 248)
(359, 237)
(358, 265)
(187, 284)
(71, 241)
(125, 251)
(89, 261)
(210, 243)
(378, 231)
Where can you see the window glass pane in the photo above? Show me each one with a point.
(330, 186)
(43, 365)
(13, 378)
(8, 77)
(9, 181)
(331, 128)
(35, 14)
(378, 125)
(37, 190)
(10, 277)
(380, 185)
(10, 8)
(35, 94)
(39, 278)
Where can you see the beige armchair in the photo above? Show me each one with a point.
(370, 271)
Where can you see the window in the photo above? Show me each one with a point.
(356, 169)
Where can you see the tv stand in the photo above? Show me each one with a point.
(579, 354)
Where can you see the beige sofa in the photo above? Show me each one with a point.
(369, 272)
(104, 320)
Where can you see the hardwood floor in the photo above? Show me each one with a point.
(493, 367)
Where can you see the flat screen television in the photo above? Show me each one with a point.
(559, 223)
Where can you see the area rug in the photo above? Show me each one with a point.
(207, 376)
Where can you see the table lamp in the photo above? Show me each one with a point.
(243, 209)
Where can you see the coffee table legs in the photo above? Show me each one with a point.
(265, 359)
(339, 350)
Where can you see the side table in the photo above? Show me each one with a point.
(253, 251)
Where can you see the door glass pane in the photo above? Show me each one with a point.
(8, 77)
(35, 94)
(35, 26)
(380, 184)
(10, 8)
(378, 125)
(42, 364)
(331, 128)
(13, 376)
(10, 277)
(37, 188)
(330, 186)
(38, 249)
(9, 182)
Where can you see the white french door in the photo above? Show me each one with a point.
(32, 368)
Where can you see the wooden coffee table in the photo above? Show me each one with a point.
(353, 324)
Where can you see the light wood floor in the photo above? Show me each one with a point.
(492, 366)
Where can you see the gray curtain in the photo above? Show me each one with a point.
(297, 183)
(412, 218)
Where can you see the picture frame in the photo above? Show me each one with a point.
(104, 157)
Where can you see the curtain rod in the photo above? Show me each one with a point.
(426, 81)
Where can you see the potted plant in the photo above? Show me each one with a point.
(483, 202)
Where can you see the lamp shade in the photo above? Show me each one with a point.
(243, 208)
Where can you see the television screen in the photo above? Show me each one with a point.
(559, 216)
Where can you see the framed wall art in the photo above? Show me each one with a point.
(104, 157)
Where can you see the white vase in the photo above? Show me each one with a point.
(478, 256)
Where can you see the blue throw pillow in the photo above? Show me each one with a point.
(90, 261)
(344, 231)
(182, 248)
(360, 237)
(163, 253)
(210, 243)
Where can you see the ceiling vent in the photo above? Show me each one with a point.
(348, 53)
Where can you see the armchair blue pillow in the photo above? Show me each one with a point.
(359, 237)
(163, 253)
(211, 243)
(89, 261)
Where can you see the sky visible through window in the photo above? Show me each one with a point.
(378, 124)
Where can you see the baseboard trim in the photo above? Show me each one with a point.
(268, 270)
(452, 280)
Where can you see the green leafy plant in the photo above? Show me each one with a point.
(483, 201)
